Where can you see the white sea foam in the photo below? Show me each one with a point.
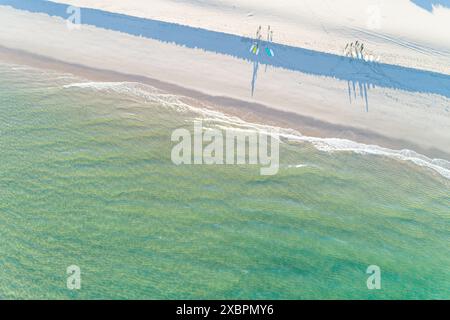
(339, 145)
(136, 91)
(297, 166)
(150, 94)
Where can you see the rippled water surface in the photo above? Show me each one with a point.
(86, 179)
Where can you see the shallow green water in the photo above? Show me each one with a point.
(86, 179)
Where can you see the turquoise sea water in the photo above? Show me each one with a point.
(86, 179)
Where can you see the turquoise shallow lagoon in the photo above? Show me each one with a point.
(86, 179)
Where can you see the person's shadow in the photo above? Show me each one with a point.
(360, 89)
(255, 74)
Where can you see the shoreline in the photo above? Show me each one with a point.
(314, 93)
(247, 111)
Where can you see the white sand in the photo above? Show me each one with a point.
(418, 119)
(397, 30)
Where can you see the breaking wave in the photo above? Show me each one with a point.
(148, 93)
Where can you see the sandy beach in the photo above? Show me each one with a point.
(337, 100)
(320, 25)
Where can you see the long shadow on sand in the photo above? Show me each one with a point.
(287, 57)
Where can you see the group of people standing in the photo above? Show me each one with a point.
(354, 50)
(357, 50)
(256, 46)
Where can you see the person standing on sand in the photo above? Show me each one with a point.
(357, 44)
(351, 49)
(269, 51)
(346, 50)
(269, 34)
(255, 47)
